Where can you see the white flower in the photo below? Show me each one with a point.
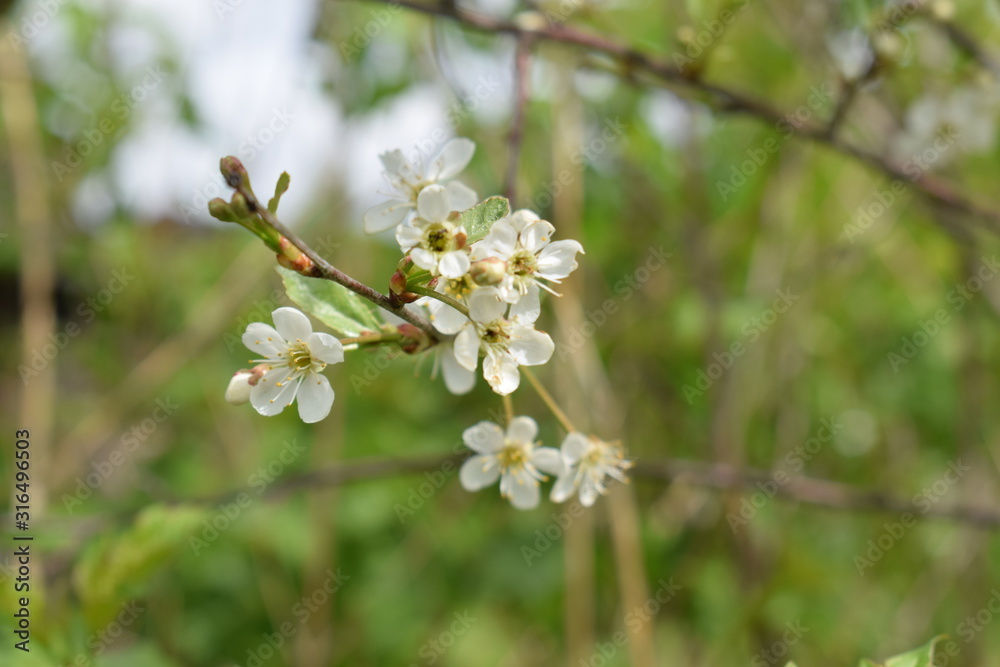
(238, 391)
(296, 356)
(852, 52)
(457, 378)
(435, 243)
(965, 119)
(513, 456)
(523, 241)
(588, 461)
(506, 341)
(408, 180)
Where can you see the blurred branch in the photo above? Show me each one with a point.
(633, 61)
(808, 490)
(967, 45)
(522, 77)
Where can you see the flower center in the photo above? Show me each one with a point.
(523, 263)
(299, 357)
(459, 288)
(494, 334)
(512, 456)
(438, 238)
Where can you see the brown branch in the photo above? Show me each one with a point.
(808, 490)
(633, 61)
(327, 270)
(522, 76)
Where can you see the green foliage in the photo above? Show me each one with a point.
(346, 313)
(279, 189)
(478, 219)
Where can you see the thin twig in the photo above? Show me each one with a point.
(522, 76)
(633, 61)
(443, 298)
(544, 394)
(330, 272)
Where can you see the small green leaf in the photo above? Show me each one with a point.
(918, 657)
(279, 189)
(478, 219)
(346, 313)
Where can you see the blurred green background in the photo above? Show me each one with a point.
(123, 306)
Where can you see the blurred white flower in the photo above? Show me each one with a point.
(588, 462)
(852, 51)
(408, 181)
(435, 243)
(296, 356)
(514, 457)
(524, 242)
(507, 341)
(964, 119)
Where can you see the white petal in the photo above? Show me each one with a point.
(522, 218)
(574, 446)
(500, 371)
(564, 487)
(326, 348)
(479, 472)
(425, 259)
(454, 264)
(548, 459)
(274, 392)
(451, 159)
(467, 347)
(408, 235)
(315, 398)
(264, 340)
(485, 305)
(385, 216)
(457, 378)
(483, 438)
(501, 239)
(523, 494)
(238, 391)
(460, 196)
(522, 429)
(292, 324)
(588, 493)
(558, 260)
(536, 235)
(530, 347)
(393, 161)
(528, 307)
(446, 319)
(432, 204)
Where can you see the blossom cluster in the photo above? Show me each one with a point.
(496, 280)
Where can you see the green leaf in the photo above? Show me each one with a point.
(346, 313)
(118, 567)
(478, 219)
(918, 657)
(279, 189)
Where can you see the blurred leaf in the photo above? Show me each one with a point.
(116, 569)
(478, 219)
(918, 657)
(346, 313)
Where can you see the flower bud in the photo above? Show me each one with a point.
(489, 271)
(239, 206)
(290, 257)
(234, 172)
(413, 339)
(220, 209)
(238, 391)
